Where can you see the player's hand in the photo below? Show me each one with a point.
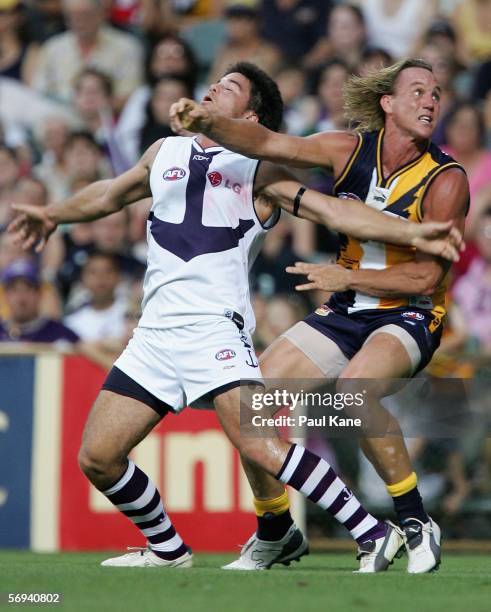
(188, 115)
(326, 277)
(32, 226)
(437, 238)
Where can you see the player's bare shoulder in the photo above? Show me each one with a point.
(331, 149)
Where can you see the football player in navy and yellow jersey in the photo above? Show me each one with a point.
(384, 319)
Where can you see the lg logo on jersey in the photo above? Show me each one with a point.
(174, 174)
(216, 180)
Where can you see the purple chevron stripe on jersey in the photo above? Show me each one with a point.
(191, 238)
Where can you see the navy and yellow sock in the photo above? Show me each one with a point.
(273, 517)
(407, 500)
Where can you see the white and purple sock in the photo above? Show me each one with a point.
(315, 478)
(136, 497)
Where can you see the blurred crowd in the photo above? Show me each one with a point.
(86, 86)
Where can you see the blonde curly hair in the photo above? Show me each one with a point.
(362, 94)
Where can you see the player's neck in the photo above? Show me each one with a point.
(206, 142)
(399, 149)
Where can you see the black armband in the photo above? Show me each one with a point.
(296, 201)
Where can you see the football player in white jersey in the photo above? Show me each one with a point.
(210, 210)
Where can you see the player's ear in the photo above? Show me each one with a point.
(251, 116)
(386, 103)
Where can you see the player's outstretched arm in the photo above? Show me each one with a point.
(33, 225)
(441, 238)
(328, 150)
(446, 201)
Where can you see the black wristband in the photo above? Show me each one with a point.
(296, 201)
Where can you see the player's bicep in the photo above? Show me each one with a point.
(447, 199)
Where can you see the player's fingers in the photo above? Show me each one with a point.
(306, 287)
(40, 245)
(294, 270)
(30, 241)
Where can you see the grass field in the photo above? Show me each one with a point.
(319, 582)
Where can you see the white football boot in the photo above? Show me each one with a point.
(259, 554)
(376, 555)
(144, 557)
(422, 545)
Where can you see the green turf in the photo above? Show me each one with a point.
(318, 583)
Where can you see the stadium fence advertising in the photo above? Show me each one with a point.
(47, 504)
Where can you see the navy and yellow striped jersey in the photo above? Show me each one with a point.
(401, 194)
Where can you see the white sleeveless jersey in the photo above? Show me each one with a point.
(203, 235)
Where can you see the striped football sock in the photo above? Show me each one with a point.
(316, 479)
(137, 498)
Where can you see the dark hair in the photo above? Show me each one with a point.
(355, 9)
(105, 80)
(191, 73)
(11, 152)
(96, 253)
(318, 75)
(84, 136)
(265, 99)
(464, 105)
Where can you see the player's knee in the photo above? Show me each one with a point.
(95, 465)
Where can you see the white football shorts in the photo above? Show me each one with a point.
(183, 365)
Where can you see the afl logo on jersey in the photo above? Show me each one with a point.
(225, 354)
(174, 174)
(410, 314)
(215, 178)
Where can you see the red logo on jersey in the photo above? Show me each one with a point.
(225, 354)
(413, 315)
(174, 174)
(215, 178)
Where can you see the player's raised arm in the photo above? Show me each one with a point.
(34, 224)
(355, 218)
(328, 149)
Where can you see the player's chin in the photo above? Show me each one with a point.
(424, 130)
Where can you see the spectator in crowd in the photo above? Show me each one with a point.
(395, 25)
(244, 43)
(330, 111)
(169, 56)
(44, 19)
(109, 235)
(22, 287)
(92, 99)
(52, 138)
(374, 58)
(17, 54)
(294, 26)
(299, 109)
(472, 291)
(106, 350)
(268, 276)
(472, 22)
(85, 161)
(89, 41)
(445, 71)
(345, 38)
(465, 141)
(164, 93)
(102, 317)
